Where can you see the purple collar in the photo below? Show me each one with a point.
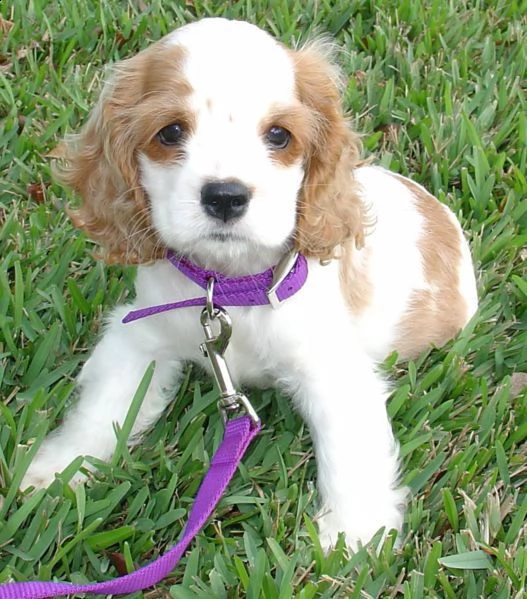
(272, 286)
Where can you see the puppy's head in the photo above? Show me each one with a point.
(222, 144)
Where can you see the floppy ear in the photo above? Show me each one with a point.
(100, 164)
(330, 211)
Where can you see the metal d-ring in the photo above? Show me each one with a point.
(209, 304)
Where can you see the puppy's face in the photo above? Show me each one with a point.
(221, 144)
(224, 169)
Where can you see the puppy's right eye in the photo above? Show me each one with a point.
(171, 135)
(278, 137)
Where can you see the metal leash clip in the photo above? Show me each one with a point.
(213, 348)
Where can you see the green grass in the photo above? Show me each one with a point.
(439, 89)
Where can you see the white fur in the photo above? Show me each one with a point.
(313, 346)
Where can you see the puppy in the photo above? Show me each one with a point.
(229, 150)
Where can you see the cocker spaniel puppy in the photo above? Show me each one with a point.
(226, 149)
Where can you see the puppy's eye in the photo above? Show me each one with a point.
(278, 138)
(171, 135)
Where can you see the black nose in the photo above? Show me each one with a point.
(225, 199)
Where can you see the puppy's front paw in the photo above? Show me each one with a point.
(360, 527)
(41, 475)
(37, 478)
(49, 461)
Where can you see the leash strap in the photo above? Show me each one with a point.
(239, 432)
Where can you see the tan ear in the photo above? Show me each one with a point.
(100, 164)
(330, 210)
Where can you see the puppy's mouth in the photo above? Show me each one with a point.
(226, 236)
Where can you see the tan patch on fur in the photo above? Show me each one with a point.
(436, 315)
(330, 211)
(354, 280)
(145, 94)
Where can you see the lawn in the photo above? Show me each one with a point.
(439, 90)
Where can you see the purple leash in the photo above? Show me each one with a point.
(270, 287)
(239, 432)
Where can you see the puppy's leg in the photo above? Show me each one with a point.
(343, 400)
(107, 384)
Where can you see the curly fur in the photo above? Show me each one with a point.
(330, 209)
(101, 163)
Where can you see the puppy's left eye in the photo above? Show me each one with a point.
(278, 138)
(171, 135)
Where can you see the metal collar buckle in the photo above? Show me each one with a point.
(280, 272)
